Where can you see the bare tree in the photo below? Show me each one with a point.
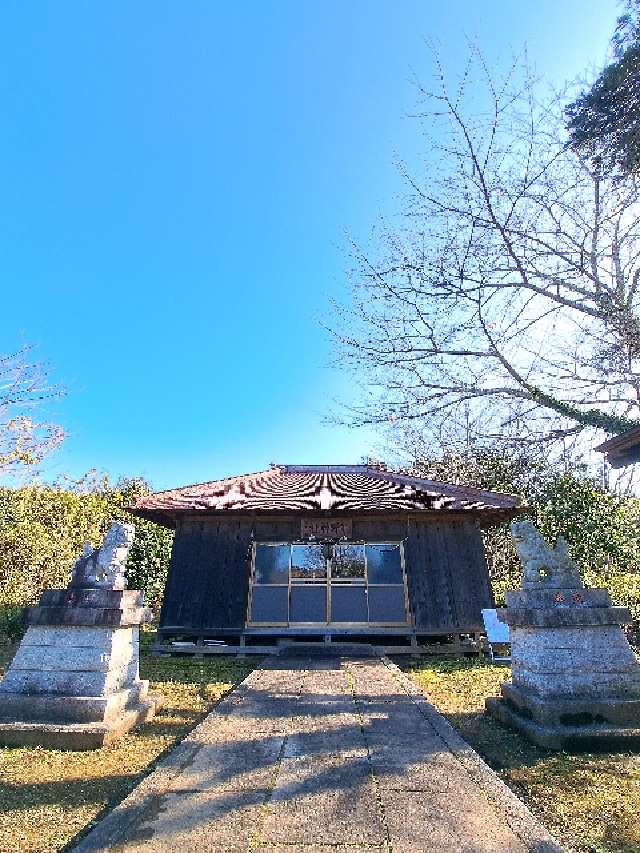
(503, 305)
(24, 441)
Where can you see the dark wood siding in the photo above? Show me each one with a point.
(447, 577)
(208, 580)
(380, 530)
(278, 530)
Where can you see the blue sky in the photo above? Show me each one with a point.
(177, 182)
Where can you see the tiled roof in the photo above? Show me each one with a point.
(342, 489)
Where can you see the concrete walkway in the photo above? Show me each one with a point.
(320, 755)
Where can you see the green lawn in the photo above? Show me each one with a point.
(48, 796)
(590, 802)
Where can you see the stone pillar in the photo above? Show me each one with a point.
(74, 681)
(575, 679)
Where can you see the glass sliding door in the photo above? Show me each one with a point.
(348, 590)
(386, 586)
(269, 591)
(308, 594)
(345, 583)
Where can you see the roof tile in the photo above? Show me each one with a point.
(343, 489)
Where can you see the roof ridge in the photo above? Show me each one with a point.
(326, 469)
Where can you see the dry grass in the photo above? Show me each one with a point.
(48, 796)
(590, 802)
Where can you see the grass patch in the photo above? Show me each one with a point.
(590, 802)
(48, 796)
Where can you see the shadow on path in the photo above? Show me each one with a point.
(314, 753)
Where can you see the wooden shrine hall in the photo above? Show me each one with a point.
(303, 554)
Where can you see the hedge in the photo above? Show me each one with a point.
(43, 529)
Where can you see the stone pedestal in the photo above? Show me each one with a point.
(74, 681)
(576, 681)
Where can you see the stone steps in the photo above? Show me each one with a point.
(303, 649)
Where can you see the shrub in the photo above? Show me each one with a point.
(43, 529)
(12, 623)
(601, 529)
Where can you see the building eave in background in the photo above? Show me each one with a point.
(622, 449)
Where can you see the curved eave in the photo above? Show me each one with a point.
(169, 517)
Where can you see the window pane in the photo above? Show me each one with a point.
(348, 603)
(269, 604)
(386, 604)
(272, 564)
(307, 561)
(348, 561)
(383, 564)
(308, 603)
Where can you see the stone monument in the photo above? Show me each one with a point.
(576, 681)
(74, 680)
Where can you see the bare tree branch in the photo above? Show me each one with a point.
(24, 387)
(507, 295)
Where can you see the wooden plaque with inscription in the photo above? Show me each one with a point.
(326, 528)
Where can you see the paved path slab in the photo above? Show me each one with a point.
(317, 756)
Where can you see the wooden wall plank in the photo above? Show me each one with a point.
(208, 580)
(447, 575)
(278, 530)
(380, 530)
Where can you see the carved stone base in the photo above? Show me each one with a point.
(74, 681)
(576, 681)
(78, 736)
(572, 738)
(46, 708)
(568, 711)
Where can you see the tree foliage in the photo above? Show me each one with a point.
(600, 528)
(43, 529)
(503, 306)
(604, 122)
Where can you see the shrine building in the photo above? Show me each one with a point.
(316, 554)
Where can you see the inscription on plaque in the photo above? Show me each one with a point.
(326, 528)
